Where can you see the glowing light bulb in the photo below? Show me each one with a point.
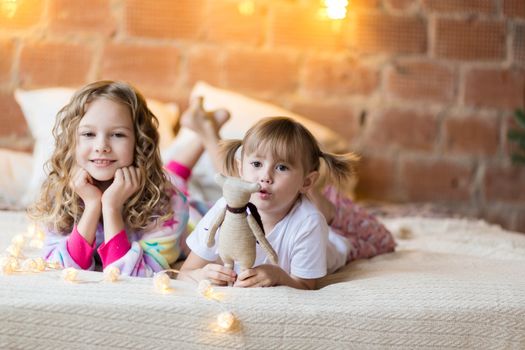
(40, 235)
(29, 265)
(8, 265)
(225, 320)
(9, 7)
(333, 9)
(55, 265)
(18, 240)
(40, 264)
(204, 288)
(70, 274)
(13, 250)
(111, 274)
(246, 7)
(31, 229)
(161, 280)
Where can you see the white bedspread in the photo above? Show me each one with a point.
(450, 284)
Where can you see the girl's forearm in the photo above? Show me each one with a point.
(294, 282)
(87, 225)
(113, 222)
(194, 276)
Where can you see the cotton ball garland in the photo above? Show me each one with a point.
(70, 274)
(161, 280)
(225, 320)
(111, 274)
(205, 289)
(40, 264)
(8, 265)
(14, 250)
(29, 265)
(18, 240)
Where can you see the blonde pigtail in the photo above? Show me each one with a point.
(228, 149)
(340, 167)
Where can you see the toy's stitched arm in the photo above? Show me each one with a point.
(215, 225)
(258, 233)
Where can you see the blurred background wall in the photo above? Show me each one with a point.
(423, 89)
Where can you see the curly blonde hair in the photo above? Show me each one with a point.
(59, 207)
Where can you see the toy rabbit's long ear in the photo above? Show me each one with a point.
(220, 179)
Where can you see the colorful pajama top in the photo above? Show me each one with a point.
(134, 253)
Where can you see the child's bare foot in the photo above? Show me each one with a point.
(205, 123)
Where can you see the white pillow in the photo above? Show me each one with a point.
(15, 174)
(245, 112)
(40, 108)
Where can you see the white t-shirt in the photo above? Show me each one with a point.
(301, 241)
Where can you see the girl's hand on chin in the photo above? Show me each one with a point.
(125, 183)
(82, 184)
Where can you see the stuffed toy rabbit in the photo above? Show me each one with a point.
(240, 231)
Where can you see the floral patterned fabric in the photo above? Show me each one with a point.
(367, 236)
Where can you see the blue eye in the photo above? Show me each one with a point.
(256, 164)
(118, 134)
(88, 134)
(281, 167)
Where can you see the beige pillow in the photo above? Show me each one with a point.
(15, 174)
(245, 112)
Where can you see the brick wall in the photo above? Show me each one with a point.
(424, 89)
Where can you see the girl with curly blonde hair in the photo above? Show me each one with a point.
(107, 193)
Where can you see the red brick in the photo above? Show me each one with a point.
(81, 16)
(54, 64)
(473, 40)
(337, 116)
(336, 76)
(472, 135)
(7, 48)
(377, 33)
(261, 71)
(377, 178)
(504, 183)
(299, 26)
(465, 6)
(21, 15)
(402, 5)
(514, 8)
(404, 129)
(204, 63)
(229, 25)
(494, 88)
(421, 81)
(153, 69)
(427, 179)
(165, 18)
(12, 119)
(519, 44)
(364, 4)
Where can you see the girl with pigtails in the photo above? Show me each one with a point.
(313, 230)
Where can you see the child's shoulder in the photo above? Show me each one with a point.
(305, 209)
(306, 206)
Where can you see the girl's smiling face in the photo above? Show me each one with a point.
(105, 139)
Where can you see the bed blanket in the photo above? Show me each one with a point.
(452, 283)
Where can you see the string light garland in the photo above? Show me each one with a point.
(16, 262)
